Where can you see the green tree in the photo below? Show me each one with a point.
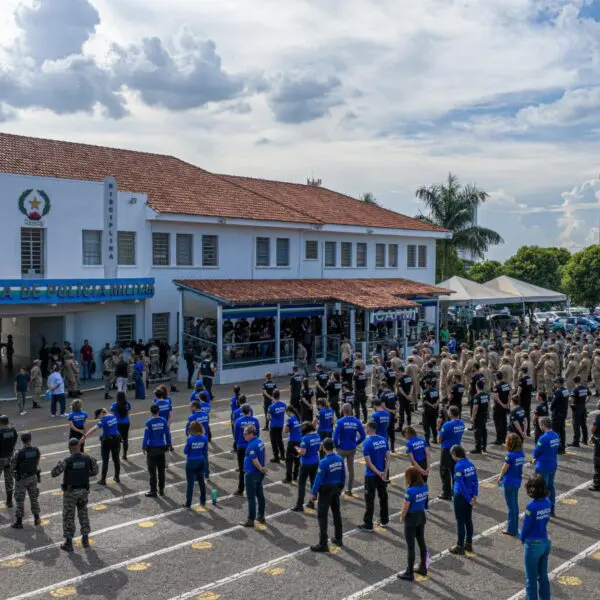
(539, 266)
(581, 277)
(562, 255)
(368, 198)
(454, 207)
(485, 271)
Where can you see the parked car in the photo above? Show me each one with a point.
(570, 324)
(503, 320)
(579, 311)
(540, 317)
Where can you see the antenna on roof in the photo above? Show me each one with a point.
(313, 182)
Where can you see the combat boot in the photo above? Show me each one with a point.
(18, 524)
(9, 502)
(36, 520)
(85, 540)
(68, 545)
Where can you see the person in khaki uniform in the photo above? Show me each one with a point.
(571, 371)
(596, 371)
(493, 360)
(584, 367)
(550, 373)
(554, 356)
(413, 370)
(444, 368)
(468, 367)
(506, 370)
(108, 375)
(36, 382)
(417, 358)
(535, 355)
(487, 374)
(463, 356)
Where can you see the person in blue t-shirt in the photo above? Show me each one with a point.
(234, 404)
(381, 417)
(121, 409)
(202, 417)
(205, 407)
(534, 536)
(110, 442)
(240, 424)
(377, 457)
(156, 442)
(510, 479)
(276, 411)
(414, 519)
(292, 460)
(466, 490)
(77, 418)
(309, 463)
(450, 434)
(327, 488)
(417, 450)
(196, 450)
(545, 456)
(323, 421)
(164, 404)
(348, 434)
(254, 474)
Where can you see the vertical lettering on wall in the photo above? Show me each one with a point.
(110, 228)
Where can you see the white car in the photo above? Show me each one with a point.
(540, 317)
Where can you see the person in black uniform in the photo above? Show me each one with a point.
(295, 388)
(404, 390)
(457, 392)
(8, 441)
(516, 418)
(579, 397)
(501, 407)
(596, 443)
(189, 358)
(479, 416)
(334, 389)
(347, 373)
(559, 407)
(431, 406)
(207, 373)
(25, 466)
(268, 387)
(360, 392)
(541, 410)
(524, 392)
(475, 377)
(390, 404)
(306, 401)
(321, 381)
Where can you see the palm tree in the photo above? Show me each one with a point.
(454, 207)
(368, 198)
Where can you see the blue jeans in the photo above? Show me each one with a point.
(535, 558)
(464, 519)
(86, 368)
(194, 471)
(549, 479)
(60, 398)
(511, 495)
(254, 491)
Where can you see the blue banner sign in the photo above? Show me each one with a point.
(400, 314)
(62, 291)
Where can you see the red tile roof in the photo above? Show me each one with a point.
(177, 187)
(365, 293)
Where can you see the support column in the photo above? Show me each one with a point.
(219, 341)
(437, 326)
(182, 371)
(70, 330)
(353, 328)
(405, 334)
(278, 336)
(324, 333)
(365, 350)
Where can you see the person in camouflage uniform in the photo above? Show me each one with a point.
(25, 466)
(8, 441)
(77, 469)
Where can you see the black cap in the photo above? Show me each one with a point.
(26, 437)
(73, 442)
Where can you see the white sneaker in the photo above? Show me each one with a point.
(23, 413)
(53, 416)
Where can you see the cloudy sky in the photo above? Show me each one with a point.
(369, 95)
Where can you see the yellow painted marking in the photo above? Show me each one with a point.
(141, 566)
(63, 592)
(569, 453)
(310, 511)
(146, 524)
(334, 549)
(11, 564)
(202, 546)
(470, 554)
(200, 509)
(99, 507)
(379, 529)
(569, 501)
(77, 543)
(274, 571)
(2, 505)
(488, 485)
(208, 596)
(569, 580)
(596, 556)
(420, 578)
(58, 493)
(44, 522)
(260, 526)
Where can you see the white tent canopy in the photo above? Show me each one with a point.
(471, 292)
(525, 292)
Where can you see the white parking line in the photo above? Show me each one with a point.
(380, 584)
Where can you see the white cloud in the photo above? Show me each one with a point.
(579, 228)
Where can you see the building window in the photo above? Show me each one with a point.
(160, 326)
(311, 250)
(330, 254)
(92, 247)
(411, 256)
(160, 249)
(346, 251)
(393, 255)
(380, 255)
(184, 247)
(33, 252)
(283, 252)
(263, 252)
(422, 257)
(361, 254)
(210, 251)
(125, 330)
(126, 248)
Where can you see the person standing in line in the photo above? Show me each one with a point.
(254, 474)
(110, 442)
(413, 516)
(108, 375)
(207, 371)
(241, 423)
(276, 412)
(56, 385)
(535, 540)
(121, 374)
(173, 370)
(234, 404)
(22, 380)
(501, 394)
(381, 418)
(579, 396)
(334, 389)
(541, 410)
(36, 383)
(156, 442)
(524, 392)
(268, 387)
(77, 419)
(545, 456)
(295, 388)
(595, 441)
(121, 409)
(86, 355)
(431, 405)
(309, 463)
(404, 388)
(77, 469)
(321, 381)
(377, 457)
(479, 416)
(292, 460)
(559, 408)
(510, 480)
(8, 441)
(326, 490)
(450, 435)
(516, 418)
(418, 452)
(323, 421)
(196, 451)
(360, 392)
(190, 365)
(457, 391)
(348, 434)
(389, 403)
(466, 490)
(306, 401)
(26, 468)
